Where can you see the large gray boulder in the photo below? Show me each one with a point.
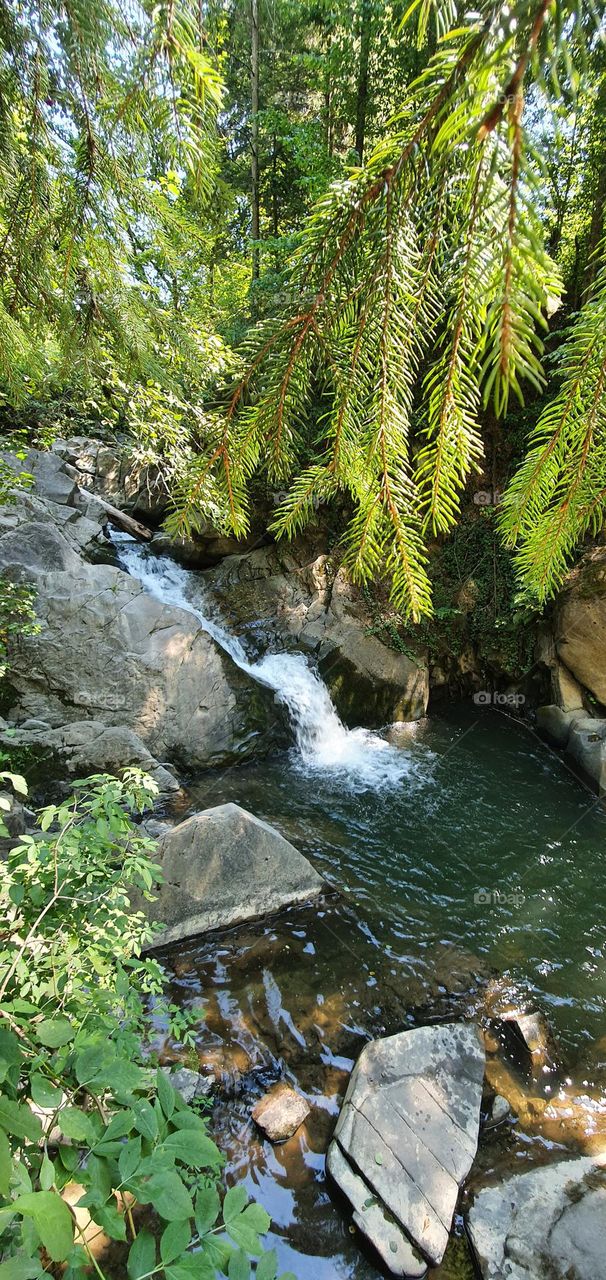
(408, 1131)
(290, 597)
(547, 1224)
(222, 866)
(108, 651)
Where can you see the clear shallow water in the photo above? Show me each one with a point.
(484, 806)
(485, 809)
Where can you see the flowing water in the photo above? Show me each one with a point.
(471, 873)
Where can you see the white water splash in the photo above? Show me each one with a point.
(324, 744)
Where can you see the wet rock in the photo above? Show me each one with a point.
(110, 652)
(294, 598)
(555, 724)
(499, 1111)
(88, 746)
(409, 1124)
(587, 745)
(547, 1224)
(580, 629)
(190, 1084)
(280, 1113)
(373, 1220)
(224, 865)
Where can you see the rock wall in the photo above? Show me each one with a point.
(107, 651)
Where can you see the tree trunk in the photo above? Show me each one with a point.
(362, 92)
(254, 140)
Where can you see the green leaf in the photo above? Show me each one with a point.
(75, 1124)
(19, 1120)
(243, 1235)
(130, 1158)
(111, 1220)
(239, 1267)
(191, 1267)
(235, 1201)
(169, 1196)
(47, 1173)
(208, 1207)
(44, 1093)
(52, 1219)
(267, 1266)
(145, 1120)
(54, 1032)
(20, 1269)
(175, 1240)
(166, 1093)
(142, 1256)
(6, 1163)
(193, 1148)
(257, 1217)
(119, 1126)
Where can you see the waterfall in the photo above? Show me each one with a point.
(323, 742)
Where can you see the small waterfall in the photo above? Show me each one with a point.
(324, 744)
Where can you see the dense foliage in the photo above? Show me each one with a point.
(159, 236)
(75, 998)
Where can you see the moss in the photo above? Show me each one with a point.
(457, 1262)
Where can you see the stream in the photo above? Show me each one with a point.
(469, 862)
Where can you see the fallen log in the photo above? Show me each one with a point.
(123, 521)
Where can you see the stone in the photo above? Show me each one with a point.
(110, 652)
(546, 1224)
(409, 1126)
(499, 1111)
(280, 1113)
(222, 866)
(51, 480)
(373, 1220)
(191, 1085)
(587, 745)
(567, 691)
(89, 746)
(14, 819)
(555, 724)
(580, 626)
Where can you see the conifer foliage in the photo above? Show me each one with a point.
(420, 297)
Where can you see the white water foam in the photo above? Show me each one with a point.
(323, 742)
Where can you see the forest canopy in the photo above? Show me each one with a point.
(263, 240)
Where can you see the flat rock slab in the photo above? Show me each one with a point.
(547, 1224)
(392, 1245)
(223, 866)
(409, 1128)
(280, 1113)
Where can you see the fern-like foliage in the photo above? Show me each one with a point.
(559, 493)
(420, 293)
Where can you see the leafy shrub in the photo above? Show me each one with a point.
(74, 993)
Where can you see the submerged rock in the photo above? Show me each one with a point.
(222, 866)
(409, 1127)
(547, 1224)
(280, 1113)
(191, 1085)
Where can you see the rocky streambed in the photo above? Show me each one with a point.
(456, 863)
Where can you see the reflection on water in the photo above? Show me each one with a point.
(482, 873)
